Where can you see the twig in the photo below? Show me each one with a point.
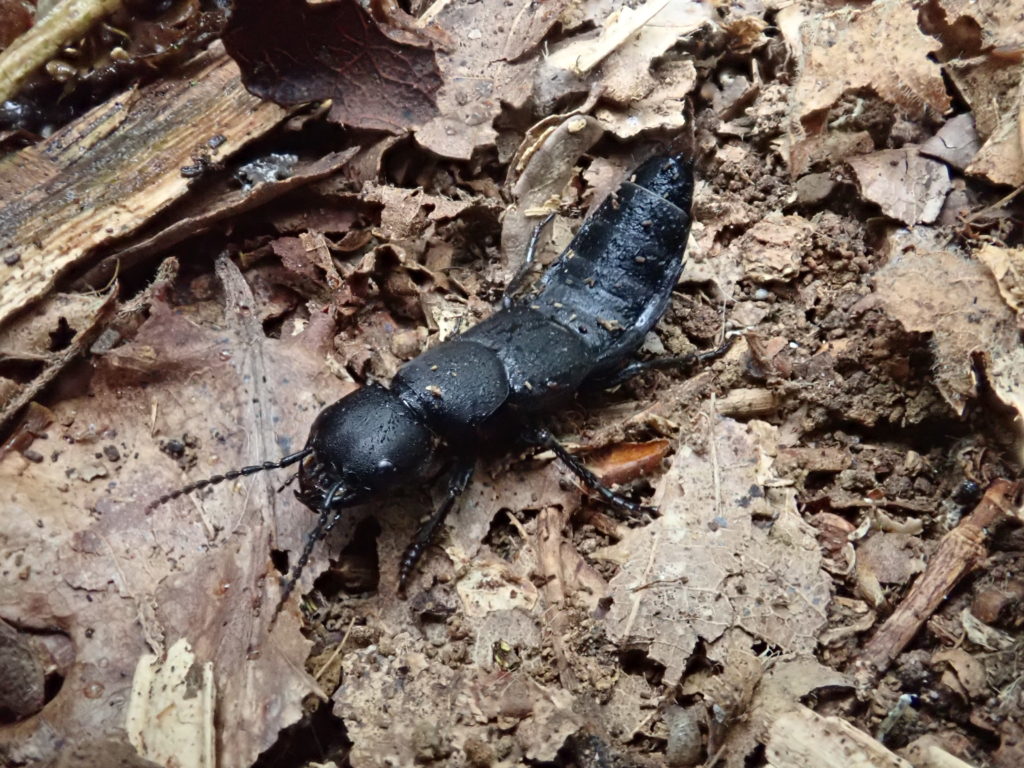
(960, 551)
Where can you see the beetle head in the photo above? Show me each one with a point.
(365, 443)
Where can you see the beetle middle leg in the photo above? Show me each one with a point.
(542, 438)
(458, 480)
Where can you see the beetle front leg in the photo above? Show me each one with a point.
(458, 480)
(544, 439)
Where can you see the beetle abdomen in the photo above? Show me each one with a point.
(544, 362)
(614, 281)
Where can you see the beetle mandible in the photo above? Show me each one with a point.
(575, 328)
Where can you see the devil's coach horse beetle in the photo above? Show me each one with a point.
(584, 317)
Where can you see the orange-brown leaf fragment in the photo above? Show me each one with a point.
(623, 462)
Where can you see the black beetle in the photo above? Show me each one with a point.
(573, 329)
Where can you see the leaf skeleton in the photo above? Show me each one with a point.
(574, 328)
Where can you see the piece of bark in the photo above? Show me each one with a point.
(960, 551)
(200, 212)
(106, 174)
(804, 739)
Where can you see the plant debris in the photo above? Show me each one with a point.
(828, 557)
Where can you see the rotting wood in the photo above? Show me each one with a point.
(960, 551)
(106, 174)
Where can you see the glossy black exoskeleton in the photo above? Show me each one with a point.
(575, 328)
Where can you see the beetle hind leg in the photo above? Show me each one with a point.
(544, 439)
(683, 362)
(526, 267)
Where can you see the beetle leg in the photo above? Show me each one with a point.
(660, 363)
(544, 439)
(525, 268)
(458, 480)
(327, 519)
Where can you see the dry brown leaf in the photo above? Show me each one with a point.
(930, 287)
(660, 105)
(541, 170)
(879, 47)
(779, 689)
(475, 81)
(906, 186)
(291, 52)
(646, 31)
(616, 61)
(999, 21)
(1007, 267)
(121, 583)
(703, 566)
(994, 89)
(956, 142)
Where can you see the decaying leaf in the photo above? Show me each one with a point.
(1007, 267)
(774, 689)
(908, 187)
(931, 288)
(956, 143)
(704, 566)
(122, 583)
(994, 89)
(291, 51)
(879, 47)
(998, 21)
(170, 716)
(475, 81)
(542, 169)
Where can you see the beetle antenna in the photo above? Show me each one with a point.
(327, 520)
(244, 471)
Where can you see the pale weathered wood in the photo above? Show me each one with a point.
(105, 175)
(804, 739)
(68, 20)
